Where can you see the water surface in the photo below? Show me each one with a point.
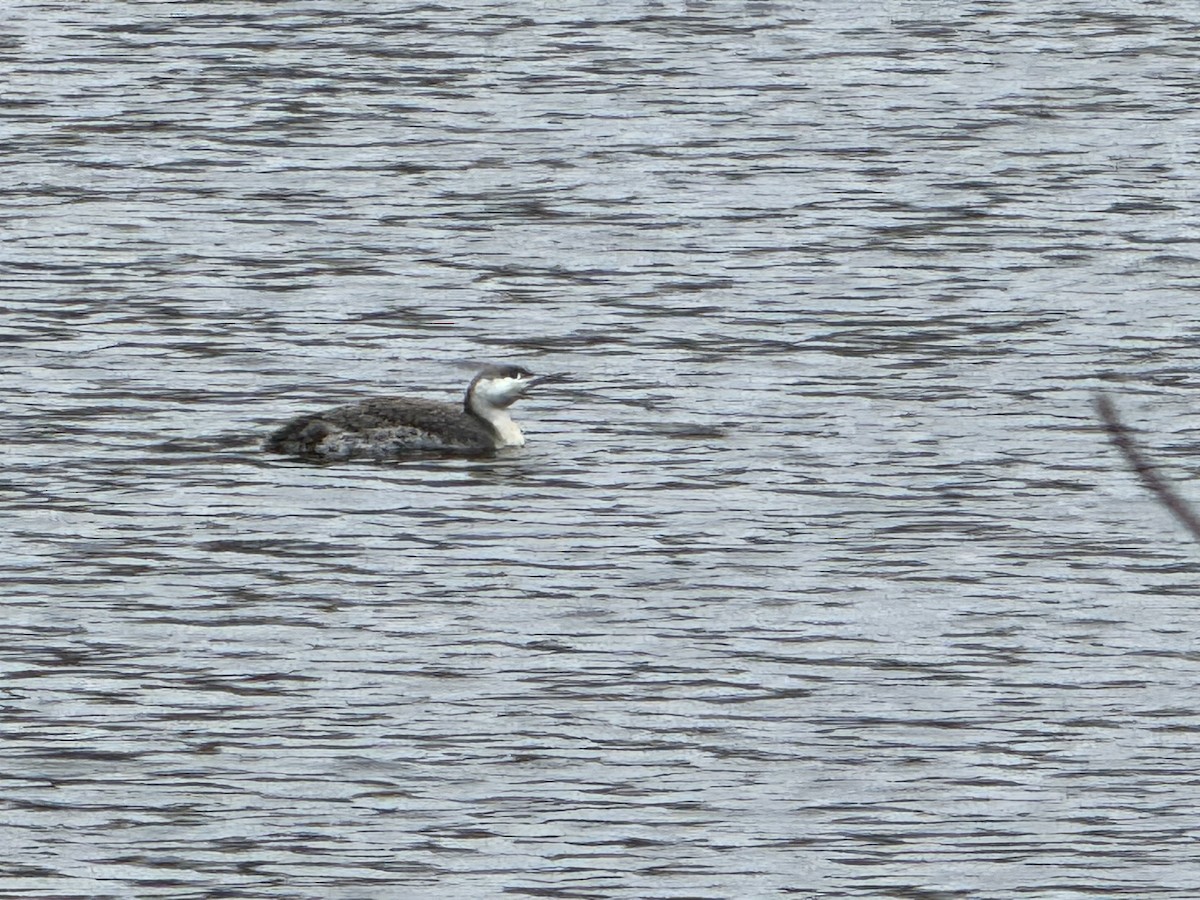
(818, 579)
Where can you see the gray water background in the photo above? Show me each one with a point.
(818, 579)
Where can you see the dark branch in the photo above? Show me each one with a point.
(1122, 437)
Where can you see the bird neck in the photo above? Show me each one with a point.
(506, 432)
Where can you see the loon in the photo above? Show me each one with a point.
(393, 427)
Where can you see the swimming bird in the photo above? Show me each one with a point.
(392, 427)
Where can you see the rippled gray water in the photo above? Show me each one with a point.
(819, 579)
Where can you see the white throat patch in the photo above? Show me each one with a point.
(499, 392)
(490, 400)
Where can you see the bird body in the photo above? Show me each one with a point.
(392, 427)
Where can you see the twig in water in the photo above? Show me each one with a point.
(1121, 435)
